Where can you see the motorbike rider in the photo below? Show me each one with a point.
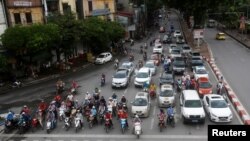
(42, 106)
(123, 99)
(124, 115)
(103, 77)
(10, 117)
(152, 87)
(103, 101)
(141, 49)
(52, 107)
(93, 112)
(24, 117)
(58, 100)
(145, 55)
(60, 84)
(108, 115)
(162, 116)
(101, 109)
(114, 96)
(26, 110)
(116, 62)
(220, 87)
(88, 96)
(145, 45)
(74, 84)
(135, 120)
(145, 86)
(170, 112)
(79, 115)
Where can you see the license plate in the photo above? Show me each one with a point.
(194, 120)
(166, 99)
(118, 86)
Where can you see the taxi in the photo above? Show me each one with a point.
(220, 36)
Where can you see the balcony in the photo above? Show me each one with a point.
(23, 3)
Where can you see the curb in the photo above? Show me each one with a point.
(230, 93)
(239, 41)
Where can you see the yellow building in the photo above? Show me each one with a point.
(105, 9)
(65, 5)
(24, 12)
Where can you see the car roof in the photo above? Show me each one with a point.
(126, 62)
(190, 95)
(141, 95)
(215, 97)
(121, 71)
(200, 67)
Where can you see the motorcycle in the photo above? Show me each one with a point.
(145, 57)
(152, 94)
(161, 124)
(67, 123)
(179, 85)
(35, 123)
(61, 113)
(107, 125)
(102, 81)
(23, 127)
(10, 125)
(171, 120)
(123, 125)
(73, 91)
(78, 124)
(137, 129)
(91, 121)
(50, 125)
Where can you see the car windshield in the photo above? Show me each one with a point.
(193, 104)
(175, 52)
(218, 104)
(205, 85)
(196, 54)
(179, 63)
(128, 66)
(150, 65)
(140, 102)
(120, 75)
(167, 76)
(101, 56)
(186, 48)
(142, 75)
(167, 93)
(201, 71)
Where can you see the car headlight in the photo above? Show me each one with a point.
(203, 115)
(213, 115)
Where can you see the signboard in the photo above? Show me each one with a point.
(198, 33)
(123, 20)
(22, 3)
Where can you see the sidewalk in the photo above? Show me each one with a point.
(241, 38)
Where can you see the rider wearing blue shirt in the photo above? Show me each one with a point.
(170, 111)
(10, 116)
(94, 113)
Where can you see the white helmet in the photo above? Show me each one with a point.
(136, 116)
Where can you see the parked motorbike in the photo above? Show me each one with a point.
(137, 129)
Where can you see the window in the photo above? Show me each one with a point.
(106, 5)
(17, 18)
(90, 5)
(28, 17)
(66, 8)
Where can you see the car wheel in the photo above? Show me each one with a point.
(184, 120)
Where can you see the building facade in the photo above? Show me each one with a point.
(105, 9)
(24, 12)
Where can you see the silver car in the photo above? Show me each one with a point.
(141, 105)
(166, 96)
(121, 78)
(128, 65)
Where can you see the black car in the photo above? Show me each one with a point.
(166, 78)
(196, 61)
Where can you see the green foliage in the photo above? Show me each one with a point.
(3, 63)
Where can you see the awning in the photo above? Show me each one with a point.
(100, 12)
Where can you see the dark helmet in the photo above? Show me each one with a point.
(161, 110)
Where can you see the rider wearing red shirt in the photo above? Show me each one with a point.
(42, 106)
(108, 115)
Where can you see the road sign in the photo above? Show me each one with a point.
(198, 33)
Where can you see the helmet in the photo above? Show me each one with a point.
(25, 106)
(53, 102)
(87, 92)
(78, 111)
(110, 98)
(93, 107)
(161, 110)
(136, 116)
(23, 113)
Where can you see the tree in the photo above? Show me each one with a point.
(115, 31)
(3, 63)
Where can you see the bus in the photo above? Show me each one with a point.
(211, 23)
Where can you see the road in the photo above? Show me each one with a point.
(233, 60)
(89, 79)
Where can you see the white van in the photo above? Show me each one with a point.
(142, 76)
(211, 23)
(191, 107)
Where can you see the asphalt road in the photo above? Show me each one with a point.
(233, 60)
(89, 79)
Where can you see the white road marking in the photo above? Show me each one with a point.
(105, 136)
(153, 120)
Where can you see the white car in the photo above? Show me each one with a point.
(177, 33)
(180, 40)
(103, 58)
(217, 108)
(186, 49)
(158, 48)
(121, 78)
(171, 47)
(166, 96)
(151, 65)
(175, 53)
(130, 66)
(142, 76)
(200, 71)
(141, 105)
